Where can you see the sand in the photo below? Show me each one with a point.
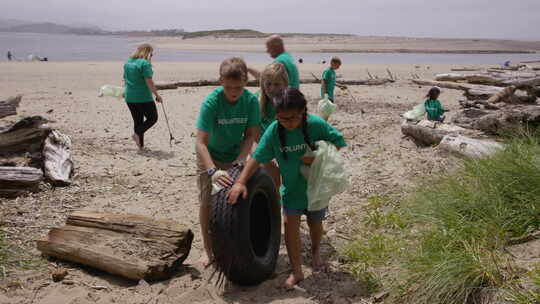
(335, 44)
(112, 176)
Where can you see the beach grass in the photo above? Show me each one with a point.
(447, 238)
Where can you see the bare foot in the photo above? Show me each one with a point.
(137, 141)
(205, 260)
(317, 263)
(293, 279)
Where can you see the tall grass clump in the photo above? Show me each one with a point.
(463, 221)
(528, 290)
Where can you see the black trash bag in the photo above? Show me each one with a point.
(246, 236)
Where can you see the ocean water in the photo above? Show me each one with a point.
(65, 47)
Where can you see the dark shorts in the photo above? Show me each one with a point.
(318, 216)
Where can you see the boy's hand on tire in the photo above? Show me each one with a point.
(222, 178)
(235, 192)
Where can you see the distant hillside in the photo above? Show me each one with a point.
(46, 27)
(240, 33)
(247, 33)
(6, 23)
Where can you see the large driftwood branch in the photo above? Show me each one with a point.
(17, 180)
(523, 83)
(9, 106)
(465, 69)
(469, 147)
(164, 230)
(470, 78)
(427, 133)
(27, 135)
(134, 247)
(57, 165)
(255, 83)
(453, 85)
(503, 96)
(523, 239)
(499, 121)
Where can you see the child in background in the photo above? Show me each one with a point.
(434, 109)
(273, 80)
(228, 126)
(287, 140)
(328, 82)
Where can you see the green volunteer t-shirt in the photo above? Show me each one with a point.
(292, 71)
(135, 72)
(434, 109)
(294, 187)
(329, 77)
(226, 123)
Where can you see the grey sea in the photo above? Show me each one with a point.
(64, 47)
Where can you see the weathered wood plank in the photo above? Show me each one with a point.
(57, 165)
(255, 83)
(165, 230)
(27, 135)
(428, 133)
(9, 106)
(123, 253)
(17, 180)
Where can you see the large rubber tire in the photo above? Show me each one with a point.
(246, 236)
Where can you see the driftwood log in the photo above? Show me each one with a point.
(131, 246)
(18, 180)
(519, 79)
(255, 83)
(27, 135)
(57, 165)
(470, 78)
(453, 85)
(9, 106)
(465, 69)
(428, 133)
(469, 147)
(499, 121)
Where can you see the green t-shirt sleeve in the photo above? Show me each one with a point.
(265, 151)
(207, 117)
(326, 75)
(329, 133)
(147, 70)
(254, 116)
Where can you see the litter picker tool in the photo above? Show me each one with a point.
(171, 137)
(362, 112)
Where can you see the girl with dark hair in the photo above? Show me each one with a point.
(433, 106)
(287, 140)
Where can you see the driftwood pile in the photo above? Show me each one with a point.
(131, 246)
(255, 83)
(497, 101)
(31, 152)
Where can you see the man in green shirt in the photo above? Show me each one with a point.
(276, 49)
(328, 82)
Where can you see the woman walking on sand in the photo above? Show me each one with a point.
(139, 87)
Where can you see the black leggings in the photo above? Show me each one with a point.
(139, 111)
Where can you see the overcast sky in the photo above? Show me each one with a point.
(518, 19)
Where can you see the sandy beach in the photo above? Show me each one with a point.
(112, 176)
(354, 44)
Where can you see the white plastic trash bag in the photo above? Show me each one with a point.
(417, 113)
(326, 107)
(326, 176)
(110, 90)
